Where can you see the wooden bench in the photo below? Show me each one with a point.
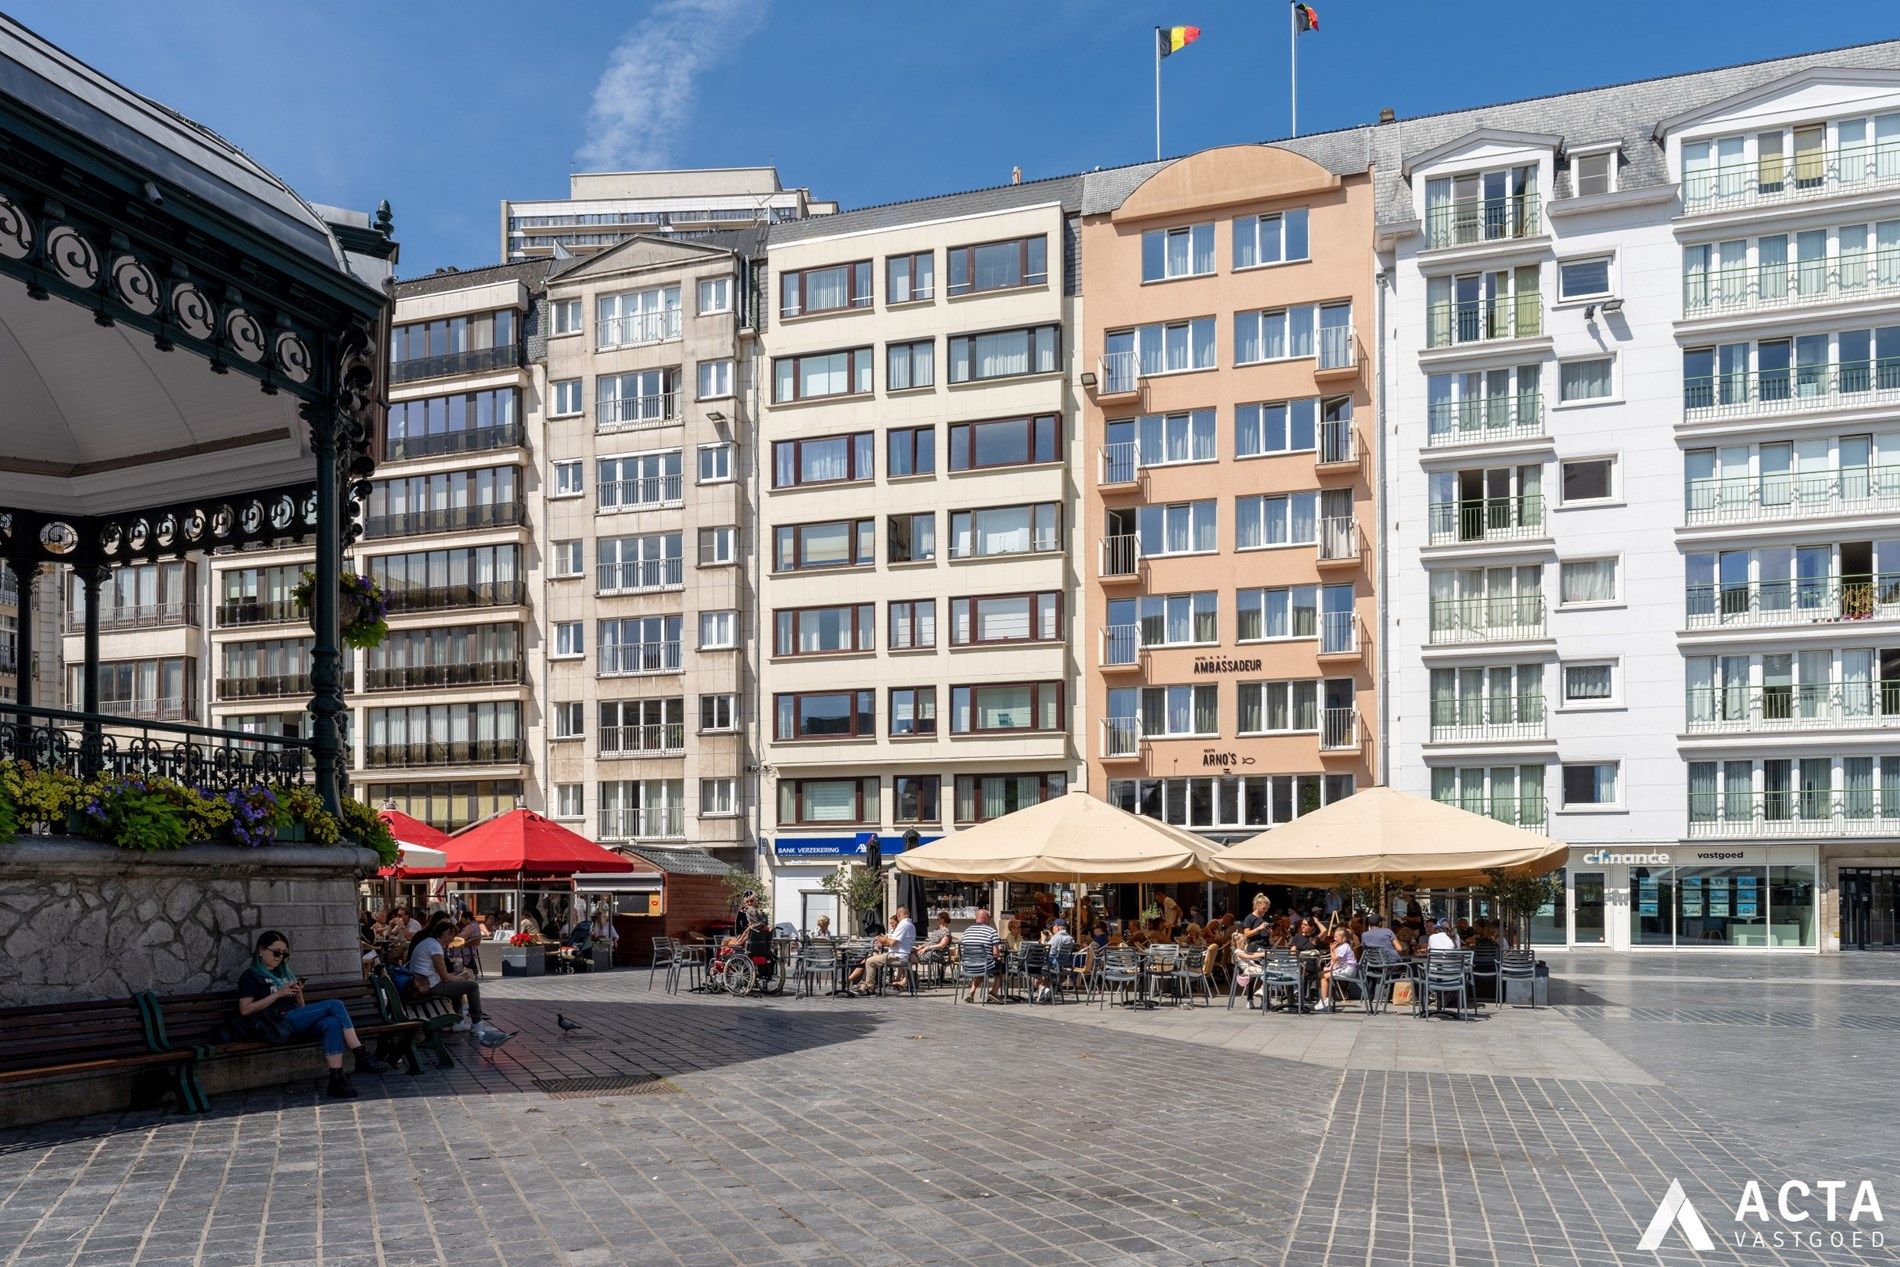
(95, 1036)
(436, 1016)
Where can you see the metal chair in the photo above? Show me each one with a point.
(1193, 974)
(1028, 965)
(1341, 985)
(1378, 968)
(1518, 965)
(1120, 970)
(665, 955)
(1484, 967)
(971, 973)
(1164, 969)
(816, 960)
(1281, 972)
(1445, 979)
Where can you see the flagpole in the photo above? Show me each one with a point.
(1293, 78)
(1157, 45)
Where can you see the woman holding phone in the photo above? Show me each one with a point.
(271, 1007)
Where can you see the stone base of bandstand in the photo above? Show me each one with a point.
(81, 920)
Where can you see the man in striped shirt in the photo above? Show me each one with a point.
(978, 946)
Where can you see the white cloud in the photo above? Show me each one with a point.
(647, 93)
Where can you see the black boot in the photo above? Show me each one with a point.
(339, 1087)
(366, 1063)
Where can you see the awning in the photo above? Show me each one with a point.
(1068, 837)
(522, 843)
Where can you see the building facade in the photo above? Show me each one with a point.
(604, 209)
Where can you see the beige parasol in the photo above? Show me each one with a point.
(1073, 837)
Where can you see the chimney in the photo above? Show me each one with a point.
(1387, 115)
(1016, 175)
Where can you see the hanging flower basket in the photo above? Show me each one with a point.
(362, 611)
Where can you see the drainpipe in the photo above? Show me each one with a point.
(1383, 773)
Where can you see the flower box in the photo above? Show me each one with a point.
(603, 958)
(523, 961)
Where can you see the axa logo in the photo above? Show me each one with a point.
(1676, 1210)
(1818, 1205)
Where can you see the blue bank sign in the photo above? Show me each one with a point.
(888, 843)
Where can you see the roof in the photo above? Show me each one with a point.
(1342, 153)
(680, 861)
(1066, 190)
(532, 273)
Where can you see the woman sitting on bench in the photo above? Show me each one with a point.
(271, 1008)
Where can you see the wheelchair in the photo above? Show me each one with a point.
(754, 969)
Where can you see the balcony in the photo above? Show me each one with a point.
(146, 616)
(1121, 646)
(1339, 730)
(9, 658)
(1121, 555)
(1746, 289)
(1737, 710)
(1338, 444)
(1821, 600)
(170, 708)
(435, 598)
(1484, 320)
(1854, 490)
(662, 822)
(636, 413)
(417, 523)
(641, 576)
(1340, 540)
(639, 329)
(1485, 420)
(506, 435)
(1813, 174)
(1519, 811)
(1488, 719)
(638, 659)
(1751, 815)
(1518, 518)
(664, 739)
(1121, 464)
(1335, 351)
(1849, 385)
(1121, 738)
(1120, 374)
(272, 686)
(259, 611)
(1339, 634)
(1505, 618)
(456, 364)
(426, 752)
(654, 492)
(1455, 224)
(474, 673)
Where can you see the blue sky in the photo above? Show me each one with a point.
(446, 108)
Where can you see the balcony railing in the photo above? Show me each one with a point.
(1484, 320)
(1339, 539)
(1120, 462)
(1757, 288)
(649, 740)
(1338, 443)
(446, 519)
(1121, 373)
(1786, 495)
(397, 677)
(1121, 645)
(654, 492)
(121, 745)
(1848, 385)
(1338, 729)
(9, 658)
(1484, 418)
(434, 598)
(1488, 519)
(450, 364)
(641, 576)
(272, 686)
(640, 328)
(1820, 600)
(664, 822)
(259, 611)
(1336, 349)
(426, 752)
(1493, 220)
(1338, 633)
(635, 413)
(1818, 706)
(1505, 618)
(631, 659)
(179, 708)
(1725, 815)
(1518, 811)
(1811, 174)
(1120, 554)
(1486, 717)
(504, 435)
(144, 616)
(1121, 737)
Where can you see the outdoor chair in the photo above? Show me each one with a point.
(1071, 975)
(665, 957)
(1445, 979)
(1028, 965)
(1238, 983)
(1164, 970)
(1193, 974)
(1281, 973)
(1518, 965)
(1484, 967)
(1120, 971)
(972, 973)
(817, 960)
(1378, 968)
(1343, 988)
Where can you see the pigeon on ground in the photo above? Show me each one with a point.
(567, 1026)
(489, 1038)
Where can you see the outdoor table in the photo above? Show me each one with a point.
(692, 956)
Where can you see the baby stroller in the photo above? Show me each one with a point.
(756, 968)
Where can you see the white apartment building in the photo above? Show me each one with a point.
(918, 529)
(603, 209)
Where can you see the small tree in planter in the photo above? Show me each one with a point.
(858, 889)
(1518, 897)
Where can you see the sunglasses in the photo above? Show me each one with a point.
(279, 951)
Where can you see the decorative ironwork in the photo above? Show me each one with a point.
(83, 746)
(274, 517)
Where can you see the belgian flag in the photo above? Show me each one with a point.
(1305, 17)
(1172, 39)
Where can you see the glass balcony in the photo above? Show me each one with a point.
(1812, 174)
(635, 659)
(658, 739)
(451, 597)
(475, 673)
(636, 413)
(1786, 495)
(1121, 645)
(417, 523)
(1120, 554)
(654, 492)
(662, 822)
(1765, 288)
(1821, 706)
(430, 752)
(1519, 811)
(1493, 220)
(1792, 814)
(453, 364)
(1484, 320)
(1488, 519)
(1847, 385)
(1119, 463)
(641, 576)
(639, 329)
(1484, 718)
(1504, 618)
(506, 435)
(1484, 419)
(1820, 600)
(1338, 730)
(1121, 737)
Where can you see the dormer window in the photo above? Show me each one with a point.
(1482, 207)
(1593, 172)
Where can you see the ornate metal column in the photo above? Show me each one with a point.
(326, 657)
(91, 752)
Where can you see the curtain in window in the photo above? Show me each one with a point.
(1702, 795)
(1589, 581)
(831, 801)
(826, 288)
(1206, 710)
(1247, 340)
(1203, 339)
(821, 460)
(1001, 354)
(1890, 787)
(1003, 531)
(1004, 708)
(1203, 239)
(1303, 511)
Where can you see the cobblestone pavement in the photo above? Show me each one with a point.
(911, 1131)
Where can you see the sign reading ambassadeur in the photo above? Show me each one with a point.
(1812, 1214)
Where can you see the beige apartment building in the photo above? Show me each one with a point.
(1229, 471)
(917, 527)
(647, 599)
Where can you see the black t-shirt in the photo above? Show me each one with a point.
(255, 985)
(1257, 926)
(1300, 941)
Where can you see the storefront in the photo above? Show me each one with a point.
(800, 865)
(1687, 897)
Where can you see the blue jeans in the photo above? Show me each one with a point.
(329, 1018)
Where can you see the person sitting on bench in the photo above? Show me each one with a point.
(271, 1008)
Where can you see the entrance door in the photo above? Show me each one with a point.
(1586, 913)
(1870, 908)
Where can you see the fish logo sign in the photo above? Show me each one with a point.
(1675, 1208)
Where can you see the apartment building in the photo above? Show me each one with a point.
(604, 209)
(647, 603)
(918, 526)
(1228, 464)
(1642, 504)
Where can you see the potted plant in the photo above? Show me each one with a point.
(362, 609)
(858, 889)
(603, 953)
(523, 957)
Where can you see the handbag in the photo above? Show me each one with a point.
(410, 985)
(1402, 992)
(269, 1026)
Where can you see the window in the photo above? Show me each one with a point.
(827, 289)
(825, 802)
(1178, 528)
(718, 546)
(976, 534)
(1277, 520)
(1290, 611)
(1180, 711)
(570, 478)
(564, 316)
(570, 800)
(629, 402)
(715, 295)
(1274, 239)
(1006, 706)
(452, 336)
(821, 374)
(1182, 252)
(1160, 349)
(467, 422)
(824, 630)
(1164, 439)
(718, 713)
(1275, 334)
(911, 538)
(567, 559)
(1268, 708)
(1283, 426)
(1583, 279)
(715, 379)
(718, 798)
(569, 720)
(719, 630)
(1165, 620)
(981, 797)
(640, 481)
(910, 365)
(999, 265)
(564, 398)
(913, 711)
(1006, 618)
(910, 279)
(1589, 684)
(1584, 581)
(633, 565)
(715, 463)
(1589, 783)
(825, 715)
(1593, 173)
(914, 798)
(568, 640)
(1005, 353)
(910, 451)
(634, 317)
(913, 625)
(839, 459)
(1586, 380)
(1589, 479)
(1005, 442)
(837, 543)
(636, 645)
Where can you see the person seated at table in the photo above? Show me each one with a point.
(529, 926)
(1013, 935)
(1341, 965)
(1441, 938)
(1484, 937)
(823, 931)
(1247, 965)
(1060, 962)
(1305, 937)
(936, 950)
(1377, 935)
(980, 945)
(893, 951)
(1258, 926)
(428, 959)
(1191, 937)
